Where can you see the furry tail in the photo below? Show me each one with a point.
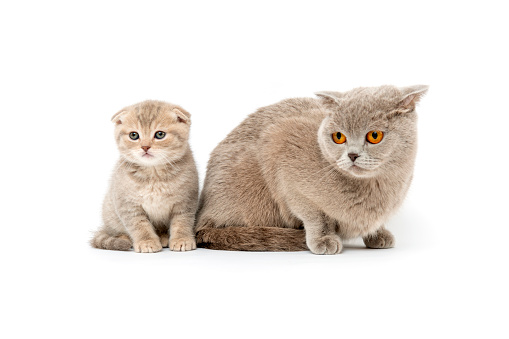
(274, 239)
(106, 241)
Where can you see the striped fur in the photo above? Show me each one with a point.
(273, 239)
(103, 240)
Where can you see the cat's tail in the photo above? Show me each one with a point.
(273, 239)
(106, 241)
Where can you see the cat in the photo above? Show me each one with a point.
(153, 195)
(309, 173)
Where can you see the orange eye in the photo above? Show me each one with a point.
(338, 138)
(374, 137)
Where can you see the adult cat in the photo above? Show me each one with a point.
(337, 166)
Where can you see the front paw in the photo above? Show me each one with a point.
(148, 246)
(183, 244)
(329, 244)
(381, 239)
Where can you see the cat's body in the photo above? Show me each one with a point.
(279, 171)
(153, 194)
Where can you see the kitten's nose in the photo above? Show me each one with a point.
(145, 148)
(353, 156)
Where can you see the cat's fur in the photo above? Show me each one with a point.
(152, 198)
(279, 171)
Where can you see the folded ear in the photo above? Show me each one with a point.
(182, 115)
(117, 117)
(329, 97)
(411, 96)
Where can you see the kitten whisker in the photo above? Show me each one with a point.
(167, 160)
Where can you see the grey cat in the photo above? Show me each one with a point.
(308, 173)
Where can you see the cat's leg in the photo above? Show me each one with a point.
(112, 236)
(140, 229)
(164, 236)
(321, 236)
(382, 238)
(165, 239)
(105, 240)
(182, 232)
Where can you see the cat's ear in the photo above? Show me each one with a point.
(411, 96)
(182, 115)
(117, 117)
(329, 97)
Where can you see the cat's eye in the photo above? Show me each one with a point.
(159, 135)
(338, 138)
(134, 136)
(374, 137)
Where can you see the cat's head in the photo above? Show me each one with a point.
(370, 130)
(152, 133)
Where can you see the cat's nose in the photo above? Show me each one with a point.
(353, 156)
(145, 148)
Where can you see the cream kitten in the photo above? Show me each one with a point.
(153, 195)
(338, 167)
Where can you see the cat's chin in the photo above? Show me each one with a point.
(148, 160)
(360, 172)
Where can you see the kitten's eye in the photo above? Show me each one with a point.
(134, 135)
(338, 138)
(374, 137)
(160, 135)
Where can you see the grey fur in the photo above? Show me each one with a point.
(280, 168)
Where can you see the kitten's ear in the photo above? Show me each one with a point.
(117, 117)
(182, 115)
(329, 97)
(411, 96)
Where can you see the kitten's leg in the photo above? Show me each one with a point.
(321, 237)
(112, 236)
(163, 234)
(145, 239)
(165, 239)
(380, 239)
(182, 233)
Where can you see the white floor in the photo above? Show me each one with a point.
(67, 68)
(420, 288)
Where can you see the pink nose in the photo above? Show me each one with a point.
(145, 148)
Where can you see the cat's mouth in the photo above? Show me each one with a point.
(147, 155)
(357, 169)
(361, 172)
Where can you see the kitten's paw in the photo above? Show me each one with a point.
(165, 240)
(329, 244)
(182, 244)
(381, 239)
(148, 246)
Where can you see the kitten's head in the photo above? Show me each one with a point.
(370, 129)
(152, 133)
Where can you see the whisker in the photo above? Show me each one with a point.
(328, 167)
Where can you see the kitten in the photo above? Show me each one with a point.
(153, 195)
(337, 166)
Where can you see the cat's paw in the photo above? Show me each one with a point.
(148, 246)
(381, 239)
(183, 244)
(165, 240)
(328, 244)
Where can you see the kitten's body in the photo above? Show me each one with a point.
(276, 172)
(152, 199)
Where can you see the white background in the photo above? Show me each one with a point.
(66, 68)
